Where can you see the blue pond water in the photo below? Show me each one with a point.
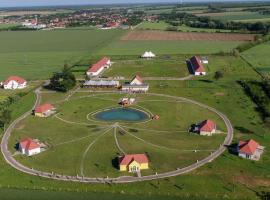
(121, 114)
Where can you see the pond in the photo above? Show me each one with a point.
(122, 114)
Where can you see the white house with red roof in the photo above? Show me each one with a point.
(250, 149)
(207, 127)
(135, 85)
(29, 147)
(197, 66)
(133, 162)
(44, 110)
(99, 67)
(14, 82)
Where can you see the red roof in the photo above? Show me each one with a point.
(29, 144)
(207, 126)
(127, 159)
(14, 78)
(95, 67)
(196, 64)
(43, 108)
(138, 78)
(248, 147)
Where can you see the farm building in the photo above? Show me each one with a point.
(136, 85)
(133, 162)
(98, 67)
(197, 67)
(29, 147)
(249, 149)
(44, 110)
(148, 54)
(14, 82)
(204, 60)
(101, 83)
(207, 127)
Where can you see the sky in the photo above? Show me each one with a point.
(19, 3)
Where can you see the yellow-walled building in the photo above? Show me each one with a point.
(133, 162)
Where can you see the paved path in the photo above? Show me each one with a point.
(123, 179)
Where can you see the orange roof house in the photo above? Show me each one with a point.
(29, 147)
(207, 127)
(14, 82)
(197, 66)
(250, 149)
(44, 110)
(98, 67)
(133, 162)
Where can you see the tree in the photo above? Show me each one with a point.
(218, 75)
(5, 118)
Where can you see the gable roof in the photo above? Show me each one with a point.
(138, 78)
(207, 125)
(139, 158)
(95, 67)
(196, 64)
(248, 146)
(14, 78)
(29, 144)
(43, 108)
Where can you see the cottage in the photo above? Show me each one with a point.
(148, 54)
(44, 110)
(207, 127)
(29, 147)
(101, 83)
(249, 149)
(197, 67)
(133, 162)
(14, 82)
(98, 67)
(136, 85)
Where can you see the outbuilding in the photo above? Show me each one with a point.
(98, 67)
(197, 66)
(148, 54)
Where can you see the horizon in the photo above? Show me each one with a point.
(48, 3)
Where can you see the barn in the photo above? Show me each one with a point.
(98, 67)
(197, 66)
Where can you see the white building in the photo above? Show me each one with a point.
(148, 54)
(136, 85)
(14, 82)
(249, 149)
(29, 147)
(98, 67)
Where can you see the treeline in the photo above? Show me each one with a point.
(259, 92)
(258, 40)
(177, 19)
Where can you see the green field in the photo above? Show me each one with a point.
(4, 26)
(239, 16)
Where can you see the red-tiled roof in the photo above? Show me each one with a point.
(207, 126)
(138, 78)
(140, 158)
(14, 78)
(95, 67)
(43, 108)
(196, 64)
(29, 144)
(248, 147)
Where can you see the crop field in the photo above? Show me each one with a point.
(162, 35)
(37, 54)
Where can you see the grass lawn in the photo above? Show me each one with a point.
(4, 26)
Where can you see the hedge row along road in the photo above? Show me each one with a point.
(122, 179)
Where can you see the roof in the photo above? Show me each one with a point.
(196, 64)
(100, 83)
(139, 158)
(14, 78)
(207, 126)
(29, 144)
(95, 67)
(43, 108)
(138, 78)
(248, 146)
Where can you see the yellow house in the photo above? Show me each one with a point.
(44, 110)
(133, 162)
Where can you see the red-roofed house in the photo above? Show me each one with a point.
(207, 127)
(136, 85)
(197, 66)
(250, 149)
(29, 147)
(98, 67)
(44, 110)
(14, 82)
(133, 162)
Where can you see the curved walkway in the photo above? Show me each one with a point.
(123, 179)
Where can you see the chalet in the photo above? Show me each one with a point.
(14, 82)
(98, 67)
(44, 110)
(133, 162)
(29, 147)
(101, 83)
(207, 127)
(148, 54)
(197, 67)
(249, 149)
(136, 85)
